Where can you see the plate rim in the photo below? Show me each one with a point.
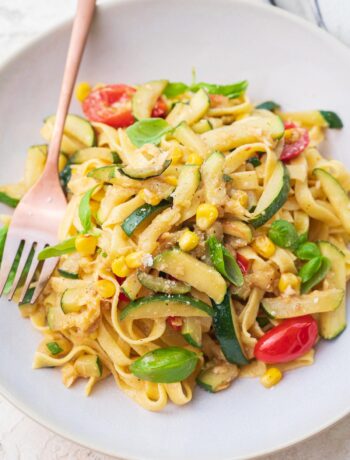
(45, 421)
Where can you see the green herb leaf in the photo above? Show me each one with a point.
(283, 234)
(224, 262)
(54, 348)
(165, 365)
(308, 251)
(308, 270)
(175, 89)
(230, 91)
(65, 247)
(269, 105)
(254, 161)
(333, 120)
(317, 277)
(148, 131)
(8, 200)
(85, 210)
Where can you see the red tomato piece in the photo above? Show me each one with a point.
(175, 322)
(289, 125)
(243, 263)
(110, 104)
(160, 109)
(294, 149)
(288, 341)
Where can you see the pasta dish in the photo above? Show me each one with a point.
(205, 240)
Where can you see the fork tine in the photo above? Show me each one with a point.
(24, 256)
(11, 248)
(48, 268)
(32, 269)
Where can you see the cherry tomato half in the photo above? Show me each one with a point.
(294, 149)
(160, 109)
(122, 296)
(110, 104)
(287, 341)
(243, 263)
(175, 322)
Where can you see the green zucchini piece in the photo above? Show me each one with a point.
(213, 179)
(337, 196)
(186, 136)
(26, 308)
(145, 173)
(92, 153)
(188, 182)
(192, 112)
(88, 366)
(164, 305)
(274, 196)
(317, 277)
(224, 262)
(72, 300)
(227, 331)
(333, 323)
(215, 378)
(54, 348)
(202, 126)
(192, 331)
(69, 268)
(315, 302)
(332, 119)
(142, 213)
(192, 271)
(269, 105)
(131, 286)
(69, 275)
(146, 97)
(103, 174)
(158, 284)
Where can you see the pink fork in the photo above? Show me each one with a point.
(36, 219)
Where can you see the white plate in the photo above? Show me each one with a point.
(284, 59)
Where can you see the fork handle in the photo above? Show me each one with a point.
(81, 26)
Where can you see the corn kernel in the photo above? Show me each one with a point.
(150, 197)
(194, 159)
(105, 288)
(86, 244)
(264, 246)
(271, 377)
(188, 241)
(171, 180)
(82, 91)
(119, 267)
(134, 259)
(289, 280)
(206, 215)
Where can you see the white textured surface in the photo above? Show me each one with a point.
(20, 437)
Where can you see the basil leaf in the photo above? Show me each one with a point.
(333, 119)
(85, 210)
(283, 234)
(311, 267)
(303, 238)
(308, 251)
(54, 348)
(165, 365)
(230, 91)
(148, 131)
(65, 247)
(224, 262)
(268, 105)
(175, 89)
(317, 277)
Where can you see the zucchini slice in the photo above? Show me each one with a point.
(212, 175)
(188, 182)
(95, 153)
(246, 131)
(315, 302)
(195, 110)
(218, 377)
(192, 331)
(88, 366)
(336, 195)
(274, 196)
(202, 126)
(145, 173)
(188, 269)
(227, 331)
(309, 118)
(103, 174)
(69, 268)
(333, 323)
(164, 305)
(131, 286)
(142, 213)
(146, 97)
(186, 136)
(158, 284)
(78, 133)
(72, 300)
